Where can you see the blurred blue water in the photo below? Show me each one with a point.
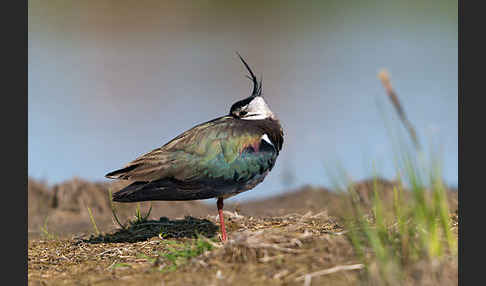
(109, 81)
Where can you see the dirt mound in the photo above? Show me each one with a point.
(268, 251)
(63, 208)
(294, 249)
(292, 239)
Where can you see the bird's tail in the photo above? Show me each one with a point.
(131, 193)
(164, 190)
(122, 173)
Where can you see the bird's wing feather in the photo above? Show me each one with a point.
(213, 152)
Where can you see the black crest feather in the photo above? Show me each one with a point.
(257, 86)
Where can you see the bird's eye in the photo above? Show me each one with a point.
(243, 112)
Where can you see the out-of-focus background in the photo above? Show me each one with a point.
(111, 80)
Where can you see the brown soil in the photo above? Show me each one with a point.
(276, 241)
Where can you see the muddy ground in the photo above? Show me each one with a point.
(292, 239)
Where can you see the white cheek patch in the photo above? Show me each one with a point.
(258, 109)
(255, 116)
(266, 139)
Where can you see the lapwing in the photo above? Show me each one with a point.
(216, 159)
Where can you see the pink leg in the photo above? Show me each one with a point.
(221, 218)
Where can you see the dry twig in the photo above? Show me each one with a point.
(334, 269)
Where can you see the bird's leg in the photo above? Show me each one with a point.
(221, 219)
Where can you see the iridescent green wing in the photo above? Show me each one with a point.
(224, 153)
(220, 151)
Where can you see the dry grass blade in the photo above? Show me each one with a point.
(122, 226)
(271, 258)
(93, 221)
(384, 76)
(330, 271)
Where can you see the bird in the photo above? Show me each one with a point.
(218, 159)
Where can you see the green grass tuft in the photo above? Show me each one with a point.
(392, 235)
(45, 232)
(113, 210)
(177, 254)
(180, 254)
(407, 225)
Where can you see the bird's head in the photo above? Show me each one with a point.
(253, 107)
